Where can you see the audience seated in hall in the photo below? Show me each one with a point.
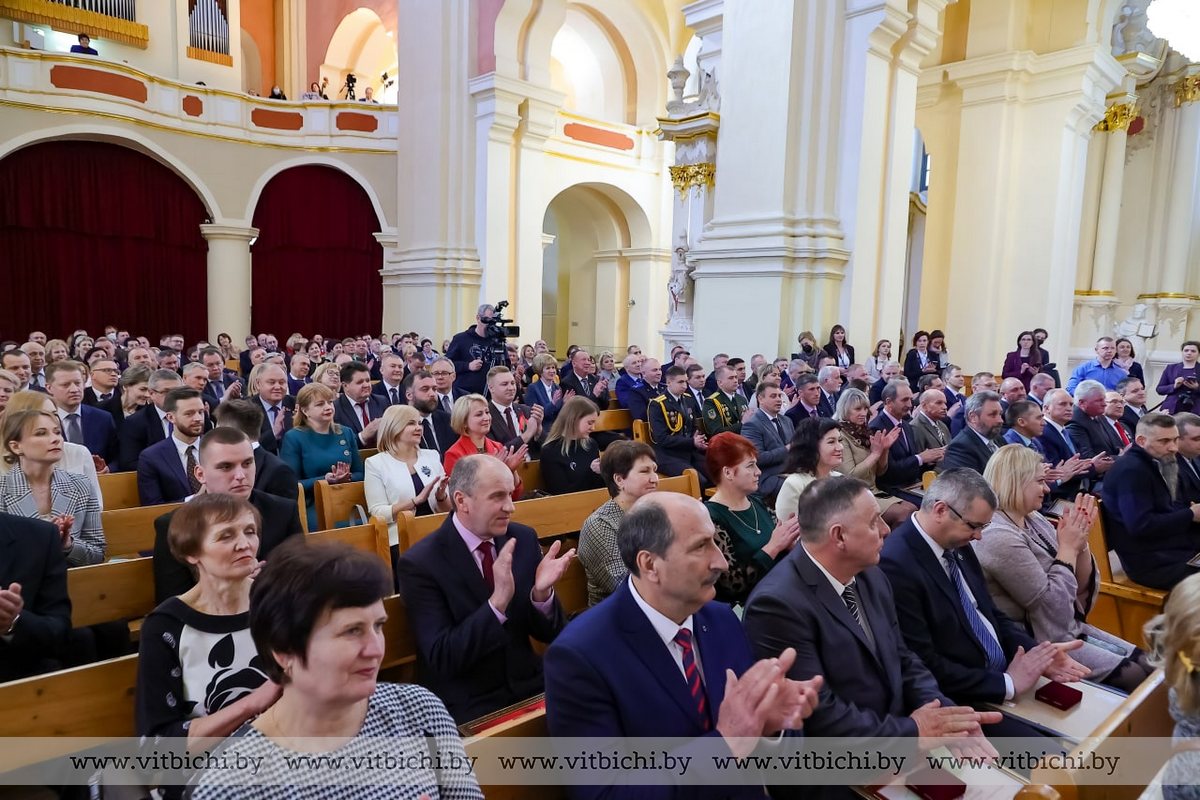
(725, 409)
(267, 385)
(906, 461)
(865, 453)
(103, 382)
(166, 471)
(1090, 431)
(75, 457)
(606, 673)
(472, 421)
(149, 425)
(476, 590)
(226, 466)
(1189, 453)
(581, 379)
(770, 431)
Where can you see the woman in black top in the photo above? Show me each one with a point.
(570, 457)
(838, 349)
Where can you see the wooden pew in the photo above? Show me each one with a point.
(119, 490)
(302, 507)
(94, 700)
(531, 724)
(641, 432)
(531, 476)
(367, 452)
(617, 419)
(370, 538)
(1142, 715)
(336, 502)
(111, 591)
(130, 531)
(1122, 607)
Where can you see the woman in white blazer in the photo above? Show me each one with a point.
(401, 476)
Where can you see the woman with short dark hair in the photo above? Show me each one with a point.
(317, 618)
(815, 452)
(629, 472)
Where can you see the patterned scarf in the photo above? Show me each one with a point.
(859, 434)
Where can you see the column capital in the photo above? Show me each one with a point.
(1118, 116)
(1186, 89)
(211, 231)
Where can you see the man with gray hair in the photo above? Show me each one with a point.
(906, 461)
(1039, 386)
(1149, 522)
(976, 653)
(1089, 432)
(476, 590)
(149, 425)
(465, 351)
(659, 657)
(830, 378)
(1189, 451)
(829, 599)
(975, 444)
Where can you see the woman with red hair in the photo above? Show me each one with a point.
(747, 533)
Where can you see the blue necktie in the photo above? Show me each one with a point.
(1036, 445)
(995, 656)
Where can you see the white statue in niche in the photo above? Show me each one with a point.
(680, 277)
(1136, 328)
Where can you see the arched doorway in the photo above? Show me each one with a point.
(363, 45)
(94, 233)
(316, 262)
(600, 284)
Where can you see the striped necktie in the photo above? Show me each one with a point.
(691, 672)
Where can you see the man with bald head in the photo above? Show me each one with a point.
(929, 421)
(475, 590)
(37, 364)
(659, 657)
(271, 389)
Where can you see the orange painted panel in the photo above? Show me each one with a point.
(94, 80)
(280, 120)
(354, 121)
(193, 106)
(586, 133)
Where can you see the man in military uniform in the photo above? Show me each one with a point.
(678, 442)
(724, 408)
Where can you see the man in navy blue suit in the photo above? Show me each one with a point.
(1056, 443)
(221, 381)
(391, 375)
(81, 424)
(358, 408)
(35, 611)
(148, 425)
(976, 653)
(659, 658)
(166, 470)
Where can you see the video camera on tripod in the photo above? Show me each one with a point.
(348, 87)
(493, 352)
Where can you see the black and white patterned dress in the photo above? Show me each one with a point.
(191, 664)
(403, 721)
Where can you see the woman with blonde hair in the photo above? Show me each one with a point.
(472, 421)
(10, 384)
(317, 448)
(401, 476)
(865, 453)
(570, 457)
(57, 350)
(328, 374)
(543, 390)
(1045, 577)
(1174, 641)
(75, 457)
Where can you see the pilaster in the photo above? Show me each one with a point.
(229, 278)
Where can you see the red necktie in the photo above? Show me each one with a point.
(486, 560)
(691, 673)
(362, 409)
(1121, 432)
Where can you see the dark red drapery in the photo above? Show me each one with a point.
(316, 263)
(92, 234)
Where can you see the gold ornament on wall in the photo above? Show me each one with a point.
(685, 176)
(1187, 90)
(1117, 117)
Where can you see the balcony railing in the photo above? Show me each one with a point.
(121, 9)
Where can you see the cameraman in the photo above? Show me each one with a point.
(1179, 382)
(466, 351)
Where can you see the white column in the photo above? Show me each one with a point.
(1184, 199)
(1015, 242)
(1113, 128)
(229, 288)
(291, 42)
(431, 279)
(774, 251)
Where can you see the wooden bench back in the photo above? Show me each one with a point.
(641, 431)
(370, 538)
(119, 490)
(617, 419)
(94, 700)
(130, 531)
(111, 591)
(400, 647)
(531, 476)
(336, 502)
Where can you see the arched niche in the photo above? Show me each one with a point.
(361, 44)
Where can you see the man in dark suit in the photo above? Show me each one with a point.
(830, 601)
(1133, 391)
(770, 431)
(1188, 425)
(166, 469)
(889, 373)
(929, 421)
(221, 381)
(1089, 431)
(81, 424)
(905, 461)
(974, 446)
(513, 424)
(695, 385)
(476, 590)
(272, 475)
(357, 408)
(582, 380)
(830, 378)
(150, 425)
(226, 467)
(464, 352)
(298, 369)
(35, 611)
(629, 379)
(105, 383)
(949, 621)
(419, 392)
(391, 376)
(808, 398)
(277, 405)
(652, 659)
(678, 442)
(1057, 444)
(1153, 532)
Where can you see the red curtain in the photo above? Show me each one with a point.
(316, 263)
(93, 234)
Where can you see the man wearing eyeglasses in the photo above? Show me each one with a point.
(103, 386)
(976, 653)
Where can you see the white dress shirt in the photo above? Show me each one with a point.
(666, 630)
